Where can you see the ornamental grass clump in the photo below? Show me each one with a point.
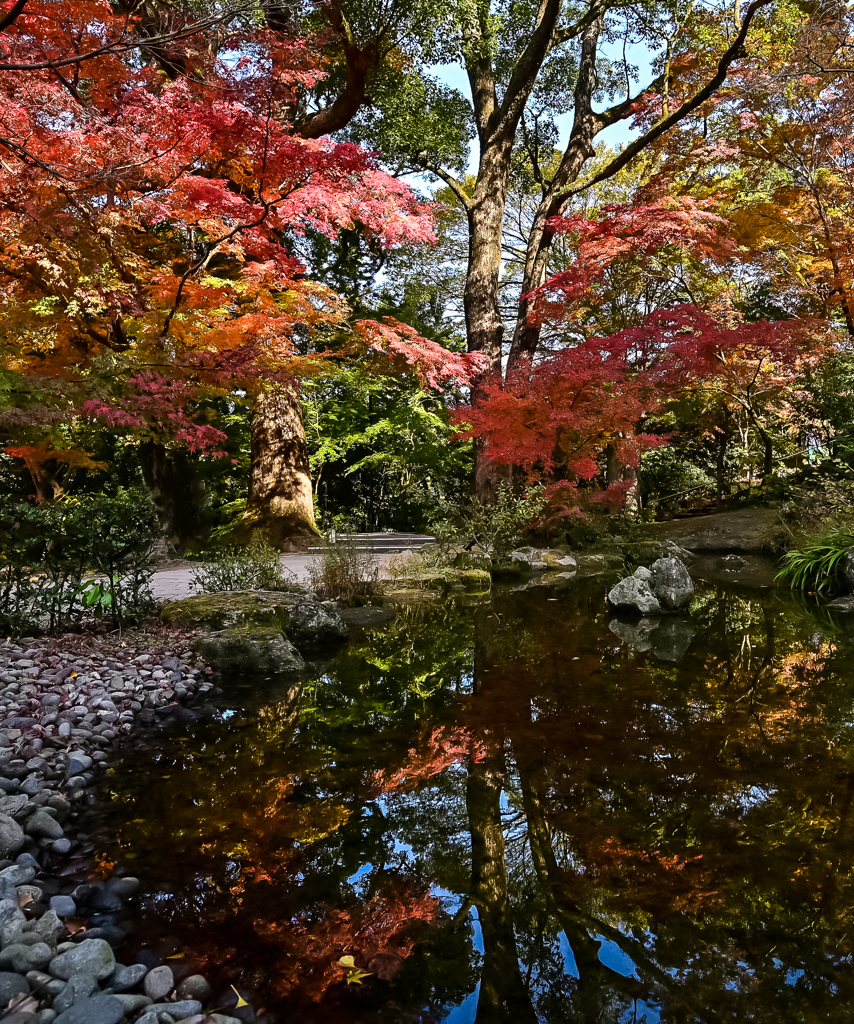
(343, 572)
(818, 566)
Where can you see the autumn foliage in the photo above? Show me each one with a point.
(147, 222)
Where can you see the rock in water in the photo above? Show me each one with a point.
(634, 595)
(671, 584)
(159, 983)
(313, 625)
(257, 651)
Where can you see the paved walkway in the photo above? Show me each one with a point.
(174, 584)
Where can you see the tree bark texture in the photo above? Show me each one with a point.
(280, 504)
(178, 496)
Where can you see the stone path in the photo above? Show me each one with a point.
(174, 583)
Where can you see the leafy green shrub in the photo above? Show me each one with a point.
(343, 572)
(258, 566)
(78, 557)
(498, 526)
(817, 566)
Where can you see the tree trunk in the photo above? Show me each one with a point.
(178, 496)
(280, 505)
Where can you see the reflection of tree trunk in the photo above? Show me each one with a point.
(594, 977)
(280, 503)
(177, 494)
(503, 995)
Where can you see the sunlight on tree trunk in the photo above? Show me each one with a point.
(280, 501)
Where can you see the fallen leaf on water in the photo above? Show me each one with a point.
(347, 961)
(355, 977)
(240, 1000)
(175, 956)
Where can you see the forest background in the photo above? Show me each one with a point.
(266, 263)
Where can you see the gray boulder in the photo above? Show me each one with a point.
(257, 651)
(313, 625)
(11, 836)
(529, 558)
(671, 584)
(634, 595)
(23, 958)
(97, 1010)
(92, 956)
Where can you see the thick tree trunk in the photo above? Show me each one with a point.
(280, 505)
(178, 496)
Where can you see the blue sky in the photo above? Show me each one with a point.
(617, 135)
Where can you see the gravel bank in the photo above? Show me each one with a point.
(63, 703)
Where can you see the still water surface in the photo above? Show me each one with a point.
(506, 812)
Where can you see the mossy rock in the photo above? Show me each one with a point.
(473, 560)
(473, 579)
(509, 571)
(643, 552)
(261, 651)
(598, 561)
(232, 608)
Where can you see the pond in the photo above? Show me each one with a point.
(517, 810)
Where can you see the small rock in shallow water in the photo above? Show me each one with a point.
(159, 983)
(194, 987)
(126, 978)
(124, 888)
(61, 846)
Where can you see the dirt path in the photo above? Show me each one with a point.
(173, 582)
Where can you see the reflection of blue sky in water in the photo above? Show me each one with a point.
(673, 818)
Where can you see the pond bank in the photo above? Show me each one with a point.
(64, 703)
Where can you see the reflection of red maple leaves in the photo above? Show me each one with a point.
(378, 933)
(651, 879)
(436, 751)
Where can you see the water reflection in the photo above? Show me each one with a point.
(515, 812)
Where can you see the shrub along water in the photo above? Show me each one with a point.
(81, 557)
(258, 566)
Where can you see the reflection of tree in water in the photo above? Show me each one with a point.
(606, 835)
